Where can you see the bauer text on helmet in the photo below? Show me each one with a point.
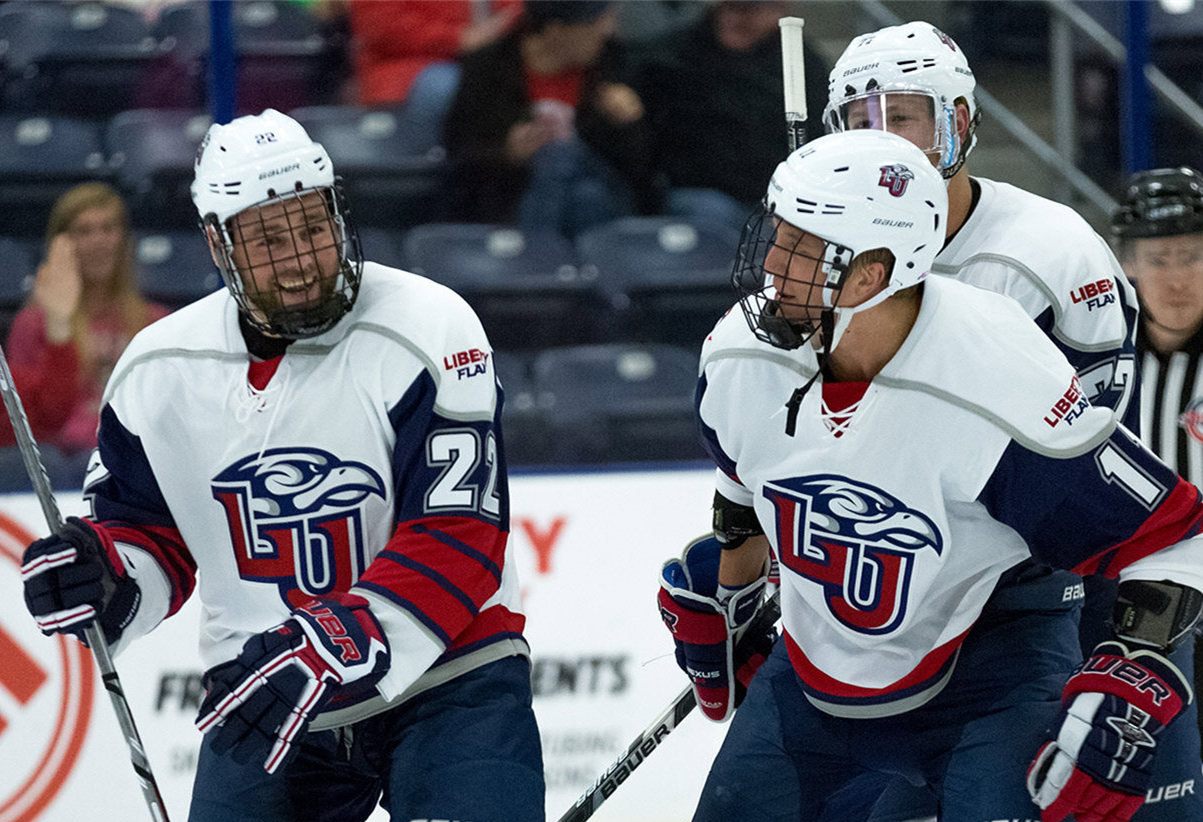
(274, 216)
(909, 80)
(830, 202)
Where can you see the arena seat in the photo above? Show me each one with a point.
(394, 172)
(618, 403)
(16, 278)
(80, 59)
(671, 274)
(151, 152)
(381, 245)
(526, 289)
(175, 267)
(523, 431)
(40, 158)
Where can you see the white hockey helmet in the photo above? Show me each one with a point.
(267, 161)
(904, 65)
(855, 192)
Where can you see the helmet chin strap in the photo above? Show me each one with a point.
(833, 329)
(827, 322)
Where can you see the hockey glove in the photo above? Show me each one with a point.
(257, 704)
(705, 624)
(1113, 709)
(74, 576)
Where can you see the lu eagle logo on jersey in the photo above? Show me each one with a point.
(856, 541)
(296, 519)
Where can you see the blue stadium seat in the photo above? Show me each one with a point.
(618, 403)
(175, 267)
(526, 289)
(672, 274)
(151, 152)
(283, 54)
(40, 158)
(65, 471)
(523, 431)
(16, 277)
(83, 59)
(393, 170)
(380, 245)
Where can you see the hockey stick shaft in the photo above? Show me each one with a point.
(650, 738)
(100, 649)
(793, 73)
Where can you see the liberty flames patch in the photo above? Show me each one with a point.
(467, 363)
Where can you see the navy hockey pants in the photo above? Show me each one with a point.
(783, 759)
(1176, 793)
(466, 750)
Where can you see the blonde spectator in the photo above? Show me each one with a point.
(84, 309)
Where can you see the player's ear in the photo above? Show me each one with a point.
(962, 109)
(870, 277)
(214, 244)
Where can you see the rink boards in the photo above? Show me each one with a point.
(588, 547)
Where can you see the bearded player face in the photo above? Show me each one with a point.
(287, 253)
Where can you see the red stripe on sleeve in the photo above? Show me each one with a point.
(439, 605)
(1178, 517)
(468, 553)
(496, 619)
(448, 568)
(167, 548)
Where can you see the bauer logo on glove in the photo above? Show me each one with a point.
(1113, 710)
(259, 703)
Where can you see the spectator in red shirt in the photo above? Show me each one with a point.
(408, 51)
(84, 309)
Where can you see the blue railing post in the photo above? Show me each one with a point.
(1136, 121)
(222, 61)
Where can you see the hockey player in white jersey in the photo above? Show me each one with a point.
(852, 406)
(914, 80)
(320, 444)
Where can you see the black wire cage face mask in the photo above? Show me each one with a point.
(293, 263)
(788, 280)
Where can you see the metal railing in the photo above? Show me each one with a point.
(1066, 19)
(1068, 13)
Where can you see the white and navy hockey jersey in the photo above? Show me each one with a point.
(1045, 256)
(370, 460)
(972, 451)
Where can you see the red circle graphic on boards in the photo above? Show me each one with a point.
(24, 679)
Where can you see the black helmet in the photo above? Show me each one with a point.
(1160, 203)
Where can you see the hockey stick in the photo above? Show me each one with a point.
(794, 77)
(793, 73)
(100, 649)
(650, 738)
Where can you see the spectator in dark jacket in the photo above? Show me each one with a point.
(541, 133)
(714, 102)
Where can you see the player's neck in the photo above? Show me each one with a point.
(960, 201)
(873, 337)
(260, 346)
